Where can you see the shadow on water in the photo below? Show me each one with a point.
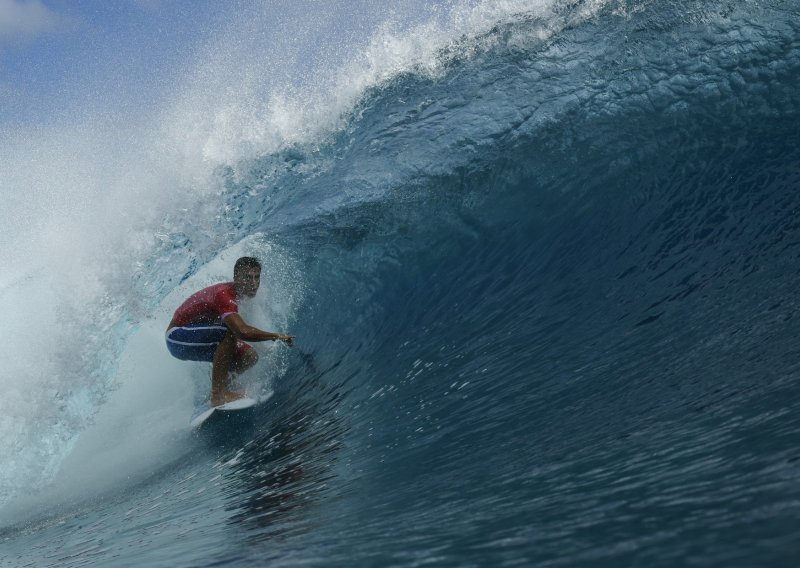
(283, 468)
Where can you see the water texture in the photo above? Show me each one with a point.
(541, 263)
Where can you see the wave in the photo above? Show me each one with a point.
(545, 238)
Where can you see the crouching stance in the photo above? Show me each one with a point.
(208, 327)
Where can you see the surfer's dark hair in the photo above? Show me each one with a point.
(244, 263)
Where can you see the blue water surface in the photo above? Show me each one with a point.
(550, 318)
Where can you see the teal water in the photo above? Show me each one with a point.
(545, 307)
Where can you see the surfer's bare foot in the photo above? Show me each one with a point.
(225, 397)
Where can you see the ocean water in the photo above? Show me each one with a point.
(541, 262)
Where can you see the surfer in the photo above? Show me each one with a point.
(208, 327)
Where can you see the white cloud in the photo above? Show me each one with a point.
(25, 19)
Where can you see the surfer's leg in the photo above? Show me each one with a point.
(223, 358)
(245, 357)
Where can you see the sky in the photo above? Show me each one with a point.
(59, 58)
(55, 54)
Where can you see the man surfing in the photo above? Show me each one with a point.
(208, 327)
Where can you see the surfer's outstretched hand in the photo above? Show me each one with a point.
(288, 339)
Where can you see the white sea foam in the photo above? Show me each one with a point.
(233, 107)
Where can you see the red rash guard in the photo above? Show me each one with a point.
(209, 305)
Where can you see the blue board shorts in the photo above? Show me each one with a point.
(199, 342)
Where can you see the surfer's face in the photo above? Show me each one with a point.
(247, 281)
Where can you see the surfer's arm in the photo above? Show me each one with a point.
(246, 332)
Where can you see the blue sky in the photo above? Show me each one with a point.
(97, 91)
(55, 54)
(122, 56)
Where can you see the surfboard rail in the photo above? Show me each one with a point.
(204, 412)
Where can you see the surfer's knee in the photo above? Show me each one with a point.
(250, 357)
(246, 357)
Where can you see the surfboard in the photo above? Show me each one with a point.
(207, 414)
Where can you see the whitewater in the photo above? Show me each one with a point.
(540, 259)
